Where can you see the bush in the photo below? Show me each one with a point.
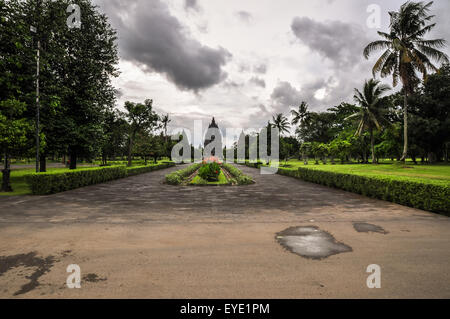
(233, 170)
(147, 169)
(55, 182)
(210, 172)
(430, 197)
(51, 183)
(239, 177)
(244, 180)
(176, 178)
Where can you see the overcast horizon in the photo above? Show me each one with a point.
(244, 61)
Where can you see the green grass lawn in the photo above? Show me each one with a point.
(433, 174)
(20, 187)
(222, 180)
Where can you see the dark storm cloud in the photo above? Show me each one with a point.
(155, 40)
(340, 42)
(284, 96)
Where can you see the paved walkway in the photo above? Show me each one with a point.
(138, 237)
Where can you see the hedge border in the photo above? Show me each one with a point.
(238, 175)
(177, 177)
(52, 183)
(429, 197)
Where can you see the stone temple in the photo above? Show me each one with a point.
(213, 134)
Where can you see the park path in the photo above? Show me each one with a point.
(140, 238)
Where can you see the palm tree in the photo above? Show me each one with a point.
(371, 110)
(301, 115)
(407, 51)
(281, 123)
(165, 120)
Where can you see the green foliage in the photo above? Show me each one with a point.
(63, 180)
(176, 178)
(137, 170)
(55, 182)
(210, 172)
(14, 129)
(238, 176)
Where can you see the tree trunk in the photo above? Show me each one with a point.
(405, 128)
(6, 184)
(372, 146)
(43, 163)
(73, 160)
(130, 149)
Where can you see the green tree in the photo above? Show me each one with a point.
(14, 134)
(281, 123)
(371, 111)
(141, 117)
(301, 116)
(407, 51)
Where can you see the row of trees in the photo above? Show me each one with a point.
(372, 127)
(77, 100)
(412, 123)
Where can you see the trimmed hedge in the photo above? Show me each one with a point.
(52, 183)
(176, 178)
(147, 169)
(240, 178)
(430, 197)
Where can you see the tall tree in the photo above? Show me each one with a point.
(165, 120)
(82, 63)
(141, 117)
(281, 123)
(300, 116)
(14, 133)
(372, 110)
(407, 51)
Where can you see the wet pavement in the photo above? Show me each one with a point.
(140, 238)
(311, 242)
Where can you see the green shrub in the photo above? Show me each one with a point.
(201, 181)
(136, 170)
(55, 182)
(233, 170)
(176, 178)
(430, 197)
(210, 172)
(239, 177)
(51, 183)
(244, 180)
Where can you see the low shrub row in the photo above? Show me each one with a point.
(56, 182)
(430, 197)
(240, 178)
(147, 169)
(176, 178)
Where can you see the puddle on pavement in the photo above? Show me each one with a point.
(311, 242)
(368, 228)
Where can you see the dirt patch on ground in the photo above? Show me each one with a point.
(30, 260)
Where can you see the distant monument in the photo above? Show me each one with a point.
(213, 135)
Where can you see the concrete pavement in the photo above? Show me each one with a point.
(139, 238)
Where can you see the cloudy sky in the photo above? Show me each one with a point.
(244, 60)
